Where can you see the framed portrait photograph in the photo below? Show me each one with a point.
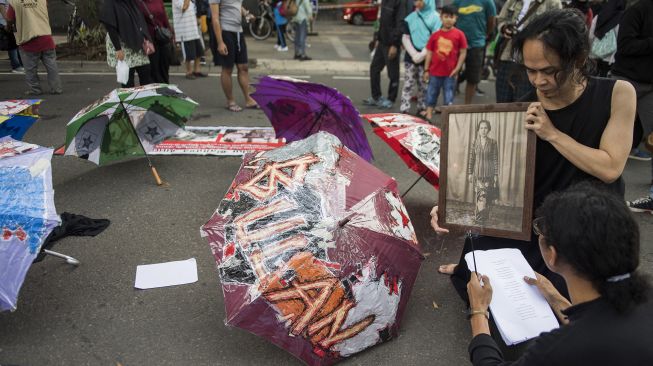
(487, 168)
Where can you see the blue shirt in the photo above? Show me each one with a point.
(472, 19)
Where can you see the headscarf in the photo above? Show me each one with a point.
(125, 17)
(609, 17)
(422, 23)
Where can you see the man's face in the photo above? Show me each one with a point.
(542, 65)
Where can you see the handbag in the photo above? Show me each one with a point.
(604, 47)
(162, 35)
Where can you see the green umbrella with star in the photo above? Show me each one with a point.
(128, 122)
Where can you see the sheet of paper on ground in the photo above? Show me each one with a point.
(166, 274)
(518, 309)
(221, 140)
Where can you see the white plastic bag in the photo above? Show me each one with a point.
(122, 72)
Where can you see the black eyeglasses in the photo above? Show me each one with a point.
(538, 226)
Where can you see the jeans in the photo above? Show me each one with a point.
(301, 31)
(447, 84)
(30, 62)
(379, 61)
(14, 59)
(281, 38)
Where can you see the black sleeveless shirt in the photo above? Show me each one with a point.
(584, 120)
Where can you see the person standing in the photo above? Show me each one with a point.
(155, 16)
(512, 82)
(418, 27)
(603, 35)
(280, 23)
(300, 22)
(226, 19)
(34, 38)
(184, 14)
(127, 39)
(483, 171)
(14, 56)
(387, 47)
(633, 62)
(476, 18)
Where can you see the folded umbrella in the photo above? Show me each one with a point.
(315, 250)
(27, 212)
(128, 122)
(17, 116)
(298, 109)
(413, 139)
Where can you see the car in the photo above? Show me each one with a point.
(359, 12)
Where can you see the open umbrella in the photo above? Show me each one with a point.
(413, 139)
(315, 250)
(128, 122)
(27, 212)
(17, 116)
(298, 109)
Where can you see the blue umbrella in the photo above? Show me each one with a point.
(27, 212)
(17, 116)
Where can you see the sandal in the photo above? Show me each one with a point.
(233, 107)
(252, 106)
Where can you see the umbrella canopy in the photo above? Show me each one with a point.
(127, 122)
(27, 213)
(298, 109)
(315, 250)
(17, 116)
(413, 139)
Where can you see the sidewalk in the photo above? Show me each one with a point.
(338, 49)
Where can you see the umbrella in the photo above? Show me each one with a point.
(298, 109)
(17, 116)
(315, 250)
(416, 141)
(27, 213)
(128, 122)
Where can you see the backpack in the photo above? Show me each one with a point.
(289, 9)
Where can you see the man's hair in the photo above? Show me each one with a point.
(449, 9)
(564, 32)
(595, 233)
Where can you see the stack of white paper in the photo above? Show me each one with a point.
(166, 274)
(519, 310)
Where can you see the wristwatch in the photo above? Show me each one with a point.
(472, 312)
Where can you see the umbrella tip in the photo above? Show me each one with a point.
(344, 221)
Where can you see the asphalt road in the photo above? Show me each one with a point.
(92, 315)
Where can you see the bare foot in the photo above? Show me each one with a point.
(447, 268)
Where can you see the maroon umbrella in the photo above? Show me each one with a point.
(413, 139)
(298, 109)
(315, 250)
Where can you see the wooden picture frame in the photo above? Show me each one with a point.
(486, 188)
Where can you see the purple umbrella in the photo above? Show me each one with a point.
(298, 109)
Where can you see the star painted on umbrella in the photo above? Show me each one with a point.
(152, 131)
(87, 141)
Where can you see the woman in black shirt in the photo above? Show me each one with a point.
(589, 237)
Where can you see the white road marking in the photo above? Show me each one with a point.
(340, 47)
(351, 78)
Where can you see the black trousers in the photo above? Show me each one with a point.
(144, 76)
(160, 64)
(379, 61)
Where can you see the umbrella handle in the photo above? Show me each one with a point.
(156, 176)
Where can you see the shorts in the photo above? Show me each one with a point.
(474, 64)
(192, 49)
(236, 50)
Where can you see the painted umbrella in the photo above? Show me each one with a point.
(298, 109)
(27, 212)
(17, 116)
(315, 250)
(128, 122)
(413, 139)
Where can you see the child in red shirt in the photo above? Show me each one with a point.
(446, 53)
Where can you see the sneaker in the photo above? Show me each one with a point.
(384, 103)
(282, 49)
(202, 60)
(305, 58)
(370, 101)
(18, 70)
(644, 204)
(56, 91)
(33, 93)
(276, 47)
(638, 154)
(479, 92)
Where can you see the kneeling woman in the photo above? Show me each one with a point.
(589, 237)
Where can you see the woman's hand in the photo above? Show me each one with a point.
(479, 296)
(557, 302)
(434, 222)
(538, 121)
(222, 49)
(120, 55)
